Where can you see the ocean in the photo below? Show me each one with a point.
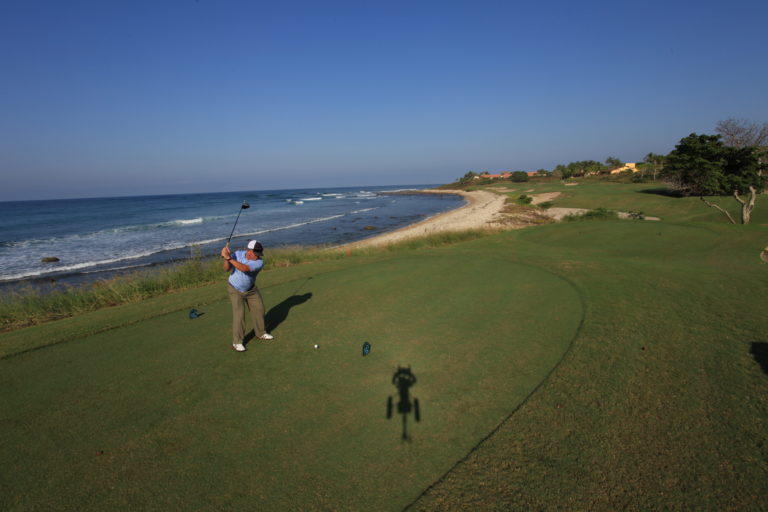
(102, 237)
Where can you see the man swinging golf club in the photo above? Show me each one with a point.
(243, 267)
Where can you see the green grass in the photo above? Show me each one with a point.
(577, 366)
(650, 198)
(181, 419)
(596, 214)
(659, 404)
(30, 306)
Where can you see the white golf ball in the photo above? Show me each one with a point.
(317, 346)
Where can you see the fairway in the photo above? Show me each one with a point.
(662, 401)
(163, 415)
(594, 365)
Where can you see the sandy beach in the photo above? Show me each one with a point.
(483, 210)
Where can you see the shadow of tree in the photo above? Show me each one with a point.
(661, 191)
(759, 351)
(278, 314)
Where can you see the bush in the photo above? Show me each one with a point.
(546, 205)
(596, 214)
(525, 199)
(519, 176)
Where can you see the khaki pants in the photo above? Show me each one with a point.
(240, 300)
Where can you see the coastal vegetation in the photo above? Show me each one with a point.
(633, 375)
(732, 163)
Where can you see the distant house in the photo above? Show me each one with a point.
(627, 167)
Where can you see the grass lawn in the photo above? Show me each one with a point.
(582, 366)
(163, 414)
(651, 199)
(662, 403)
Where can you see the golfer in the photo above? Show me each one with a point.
(243, 267)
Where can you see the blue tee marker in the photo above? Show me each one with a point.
(366, 348)
(193, 314)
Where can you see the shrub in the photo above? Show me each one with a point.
(519, 176)
(525, 199)
(596, 214)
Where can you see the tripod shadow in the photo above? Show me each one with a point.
(279, 313)
(404, 380)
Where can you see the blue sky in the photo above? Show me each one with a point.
(104, 98)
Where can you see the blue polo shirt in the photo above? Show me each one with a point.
(244, 281)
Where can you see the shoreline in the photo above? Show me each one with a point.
(482, 211)
(76, 279)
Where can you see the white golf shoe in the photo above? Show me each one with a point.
(239, 347)
(266, 336)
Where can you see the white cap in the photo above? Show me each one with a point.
(255, 245)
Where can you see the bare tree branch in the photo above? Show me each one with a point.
(746, 206)
(740, 133)
(717, 207)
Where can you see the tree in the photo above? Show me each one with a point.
(592, 167)
(695, 165)
(562, 172)
(584, 167)
(702, 165)
(740, 133)
(519, 176)
(613, 163)
(656, 162)
(468, 177)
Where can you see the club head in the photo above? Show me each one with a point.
(245, 205)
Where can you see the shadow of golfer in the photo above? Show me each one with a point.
(404, 380)
(279, 313)
(759, 351)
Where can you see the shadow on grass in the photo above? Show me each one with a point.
(404, 379)
(661, 191)
(759, 351)
(278, 314)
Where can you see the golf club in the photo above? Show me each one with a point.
(244, 206)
